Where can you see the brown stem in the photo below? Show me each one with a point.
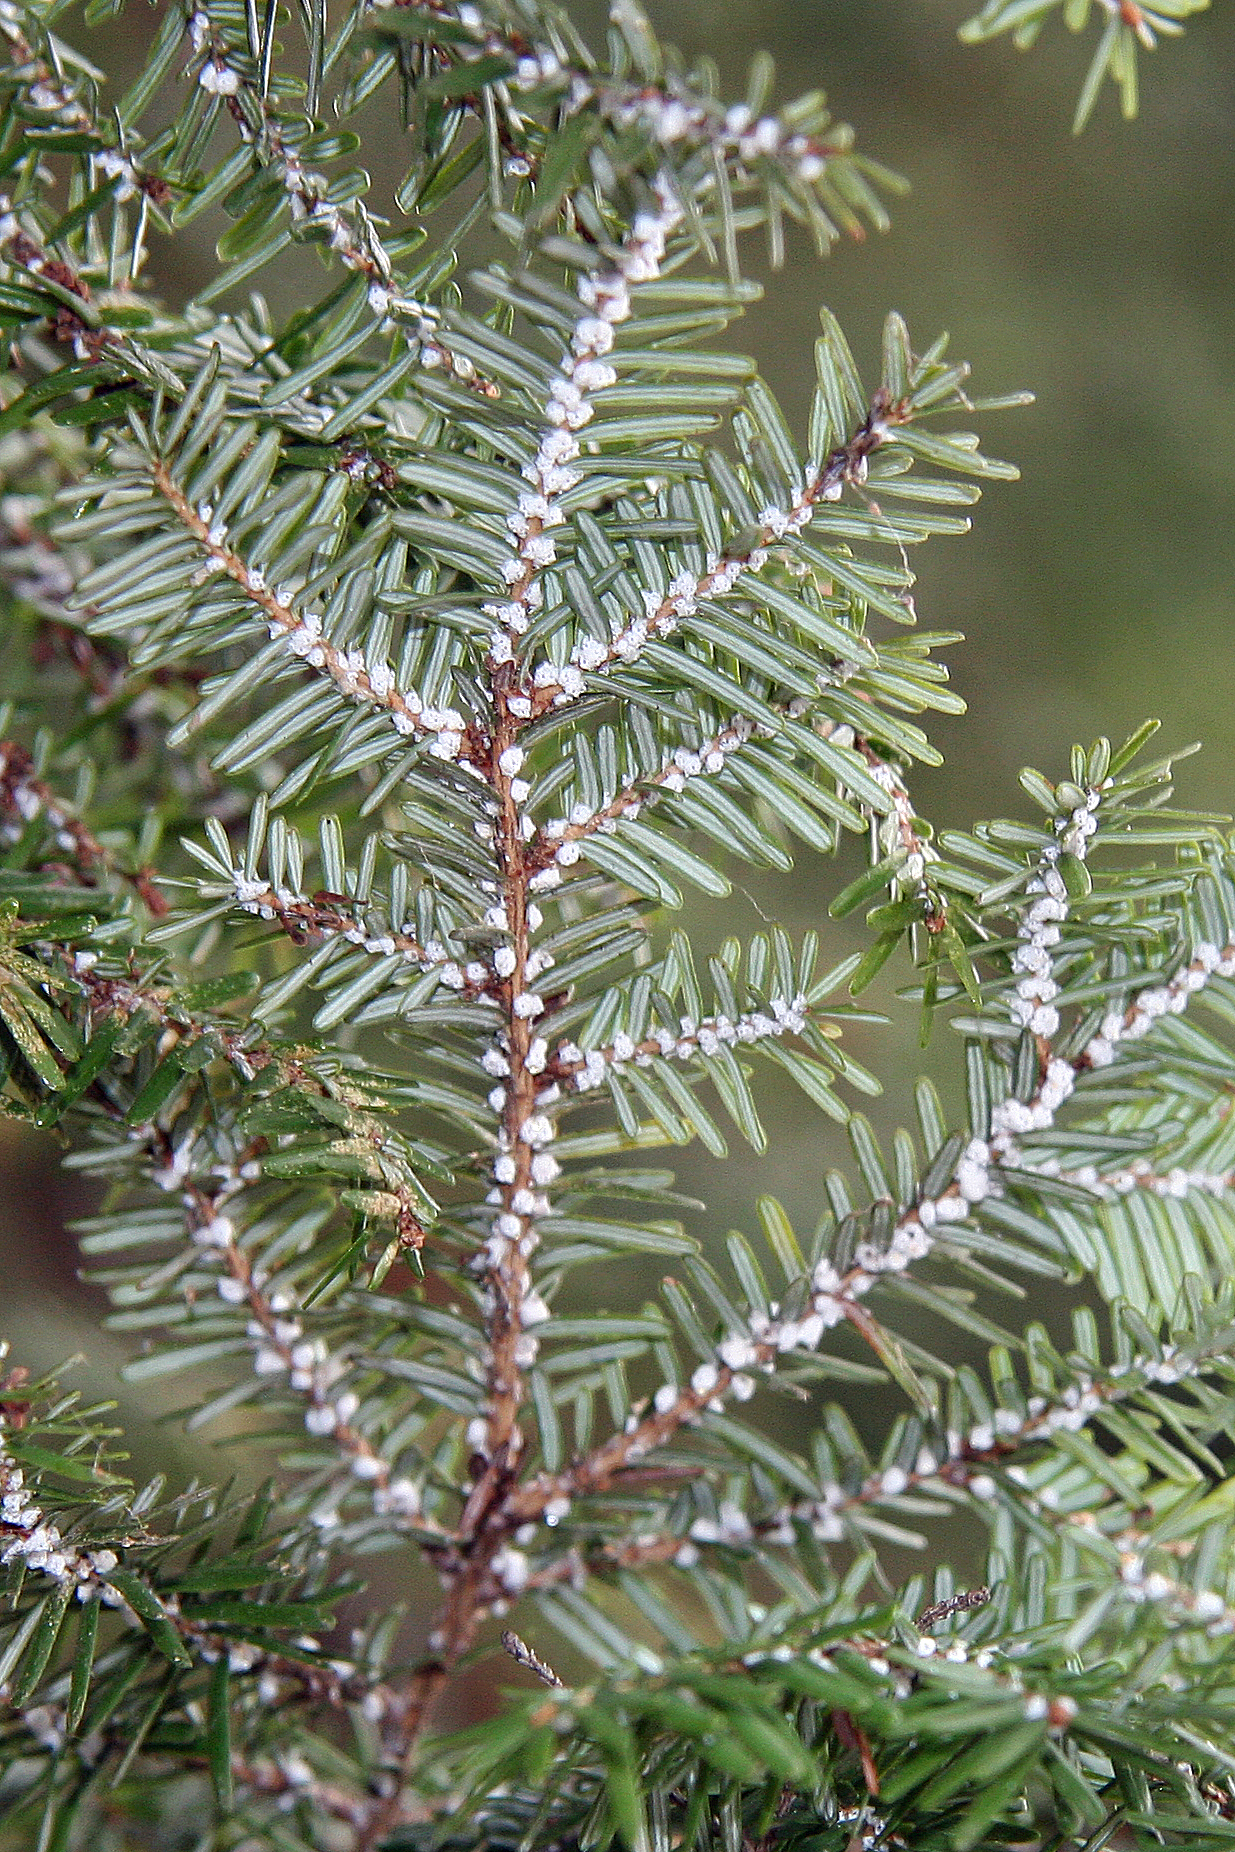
(483, 1524)
(353, 237)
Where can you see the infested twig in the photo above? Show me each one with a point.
(525, 1655)
(964, 1601)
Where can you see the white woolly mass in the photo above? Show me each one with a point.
(30, 799)
(730, 1525)
(1177, 1182)
(584, 371)
(683, 764)
(279, 1343)
(769, 1334)
(399, 1498)
(664, 607)
(119, 168)
(511, 1569)
(30, 1539)
(268, 903)
(218, 78)
(1012, 1118)
(367, 680)
(899, 830)
(1203, 1605)
(691, 1038)
(353, 239)
(1006, 1427)
(1033, 1007)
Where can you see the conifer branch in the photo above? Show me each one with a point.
(847, 463)
(1147, 1006)
(350, 234)
(353, 238)
(32, 1540)
(46, 90)
(899, 831)
(276, 1329)
(355, 678)
(560, 840)
(538, 660)
(837, 1296)
(315, 919)
(1177, 1182)
(76, 322)
(1126, 28)
(290, 1778)
(114, 1001)
(676, 115)
(24, 797)
(583, 1070)
(960, 1460)
(1126, 1549)
(606, 302)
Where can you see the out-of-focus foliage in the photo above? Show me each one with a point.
(1124, 28)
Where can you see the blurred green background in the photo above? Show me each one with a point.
(1097, 273)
